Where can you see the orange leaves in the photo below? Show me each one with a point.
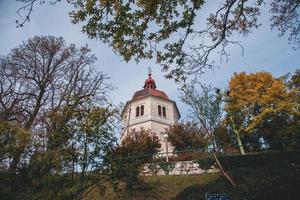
(260, 88)
(255, 96)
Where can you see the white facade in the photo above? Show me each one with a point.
(147, 105)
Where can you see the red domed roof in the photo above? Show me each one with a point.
(150, 90)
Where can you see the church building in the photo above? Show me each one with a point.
(150, 109)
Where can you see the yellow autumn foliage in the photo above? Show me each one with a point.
(254, 96)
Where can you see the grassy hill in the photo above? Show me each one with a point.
(264, 176)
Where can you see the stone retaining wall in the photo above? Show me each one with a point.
(175, 168)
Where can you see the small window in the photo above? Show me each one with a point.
(137, 111)
(159, 110)
(142, 110)
(164, 111)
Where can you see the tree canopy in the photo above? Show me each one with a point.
(172, 32)
(128, 159)
(186, 137)
(257, 100)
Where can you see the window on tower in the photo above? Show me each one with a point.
(159, 110)
(142, 110)
(164, 111)
(137, 111)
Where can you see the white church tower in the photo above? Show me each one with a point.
(151, 109)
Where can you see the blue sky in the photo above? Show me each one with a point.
(264, 50)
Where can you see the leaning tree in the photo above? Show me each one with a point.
(206, 110)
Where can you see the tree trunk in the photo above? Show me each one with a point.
(240, 144)
(236, 132)
(227, 176)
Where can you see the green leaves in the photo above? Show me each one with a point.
(140, 29)
(13, 139)
(136, 29)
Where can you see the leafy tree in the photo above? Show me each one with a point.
(77, 145)
(186, 136)
(188, 140)
(128, 160)
(149, 29)
(257, 101)
(13, 139)
(56, 121)
(44, 74)
(282, 130)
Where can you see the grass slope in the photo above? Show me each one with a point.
(266, 176)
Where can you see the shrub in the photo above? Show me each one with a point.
(186, 137)
(129, 158)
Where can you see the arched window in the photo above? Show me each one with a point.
(159, 110)
(164, 111)
(142, 110)
(137, 111)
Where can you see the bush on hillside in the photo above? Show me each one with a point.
(184, 137)
(129, 158)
